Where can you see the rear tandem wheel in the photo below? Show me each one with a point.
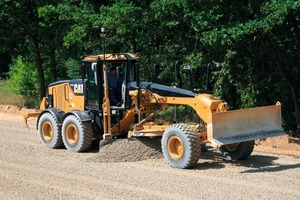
(77, 135)
(180, 146)
(49, 131)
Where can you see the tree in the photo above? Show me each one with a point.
(20, 21)
(256, 41)
(23, 77)
(263, 47)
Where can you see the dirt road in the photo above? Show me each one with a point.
(30, 171)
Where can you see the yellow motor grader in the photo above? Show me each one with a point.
(77, 111)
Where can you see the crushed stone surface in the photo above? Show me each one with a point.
(28, 170)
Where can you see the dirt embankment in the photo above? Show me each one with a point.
(14, 109)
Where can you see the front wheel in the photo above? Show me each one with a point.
(237, 151)
(180, 146)
(77, 135)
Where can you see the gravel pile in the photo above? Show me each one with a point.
(129, 150)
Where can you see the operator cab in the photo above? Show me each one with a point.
(94, 79)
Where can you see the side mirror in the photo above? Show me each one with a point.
(217, 64)
(210, 66)
(186, 67)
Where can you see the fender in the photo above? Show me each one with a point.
(57, 113)
(82, 116)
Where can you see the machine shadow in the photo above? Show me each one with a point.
(95, 147)
(213, 159)
(260, 163)
(210, 159)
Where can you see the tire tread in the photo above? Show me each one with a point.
(194, 145)
(58, 143)
(86, 132)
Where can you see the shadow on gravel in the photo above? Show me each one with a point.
(95, 147)
(255, 163)
(212, 159)
(259, 163)
(273, 168)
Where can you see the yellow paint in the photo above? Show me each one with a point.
(65, 99)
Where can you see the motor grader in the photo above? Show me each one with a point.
(75, 112)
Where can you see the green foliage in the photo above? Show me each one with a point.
(257, 42)
(73, 68)
(179, 113)
(260, 55)
(5, 89)
(23, 77)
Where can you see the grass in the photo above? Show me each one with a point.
(8, 97)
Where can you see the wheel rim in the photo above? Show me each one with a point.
(72, 134)
(47, 131)
(175, 147)
(232, 147)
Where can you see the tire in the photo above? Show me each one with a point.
(180, 146)
(49, 131)
(77, 135)
(237, 151)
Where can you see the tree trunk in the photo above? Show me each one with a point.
(39, 67)
(53, 64)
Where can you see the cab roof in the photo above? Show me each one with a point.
(112, 57)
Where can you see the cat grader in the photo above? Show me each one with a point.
(76, 112)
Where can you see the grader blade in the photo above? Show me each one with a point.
(245, 125)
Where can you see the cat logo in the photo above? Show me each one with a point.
(78, 88)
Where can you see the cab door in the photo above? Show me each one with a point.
(93, 86)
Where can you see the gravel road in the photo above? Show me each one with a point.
(30, 171)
